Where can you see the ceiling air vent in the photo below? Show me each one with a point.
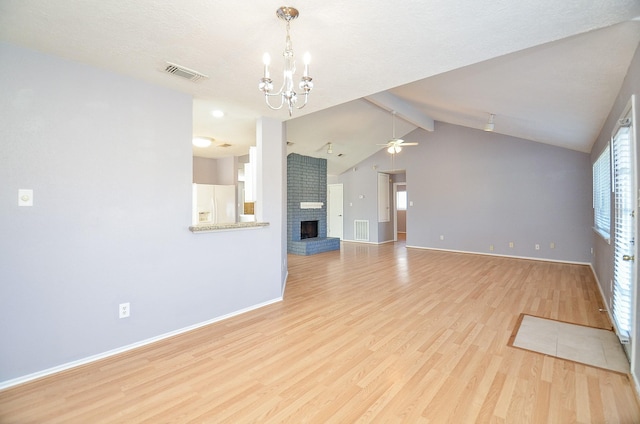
(224, 145)
(183, 72)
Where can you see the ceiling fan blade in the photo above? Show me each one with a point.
(409, 144)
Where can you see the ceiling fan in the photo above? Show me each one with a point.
(395, 145)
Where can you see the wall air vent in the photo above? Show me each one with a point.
(183, 72)
(361, 229)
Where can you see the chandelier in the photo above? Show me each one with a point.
(286, 93)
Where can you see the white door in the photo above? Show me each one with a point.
(334, 211)
(624, 268)
(384, 199)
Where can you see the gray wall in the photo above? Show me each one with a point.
(479, 189)
(110, 161)
(205, 171)
(603, 259)
(215, 171)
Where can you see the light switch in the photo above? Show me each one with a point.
(411, 203)
(25, 197)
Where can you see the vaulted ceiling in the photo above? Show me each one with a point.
(549, 70)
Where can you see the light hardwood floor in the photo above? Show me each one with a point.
(367, 334)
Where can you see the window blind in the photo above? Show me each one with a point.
(601, 194)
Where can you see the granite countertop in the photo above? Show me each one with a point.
(208, 228)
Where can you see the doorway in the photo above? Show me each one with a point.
(400, 211)
(335, 223)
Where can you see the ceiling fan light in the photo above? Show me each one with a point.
(394, 149)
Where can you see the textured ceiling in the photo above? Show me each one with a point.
(548, 69)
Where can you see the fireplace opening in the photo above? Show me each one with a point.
(308, 229)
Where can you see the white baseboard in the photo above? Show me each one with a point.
(24, 379)
(501, 256)
(634, 377)
(369, 242)
(358, 241)
(602, 296)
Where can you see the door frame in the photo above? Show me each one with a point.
(629, 111)
(395, 208)
(330, 205)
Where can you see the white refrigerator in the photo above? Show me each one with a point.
(214, 204)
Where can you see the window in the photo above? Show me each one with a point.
(602, 194)
(401, 200)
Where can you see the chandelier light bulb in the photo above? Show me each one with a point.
(307, 61)
(266, 59)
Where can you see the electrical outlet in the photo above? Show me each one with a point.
(552, 245)
(537, 247)
(124, 310)
(491, 247)
(441, 237)
(511, 244)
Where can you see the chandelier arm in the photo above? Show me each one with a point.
(266, 99)
(306, 99)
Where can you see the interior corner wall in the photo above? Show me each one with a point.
(205, 170)
(223, 171)
(480, 190)
(603, 258)
(109, 160)
(227, 170)
(360, 197)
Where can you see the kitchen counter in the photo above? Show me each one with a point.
(210, 228)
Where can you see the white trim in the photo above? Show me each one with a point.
(284, 286)
(53, 370)
(502, 256)
(604, 299)
(602, 235)
(361, 242)
(634, 377)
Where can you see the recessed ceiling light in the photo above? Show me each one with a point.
(217, 113)
(201, 141)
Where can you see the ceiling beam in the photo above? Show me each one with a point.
(404, 110)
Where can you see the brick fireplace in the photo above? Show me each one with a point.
(307, 201)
